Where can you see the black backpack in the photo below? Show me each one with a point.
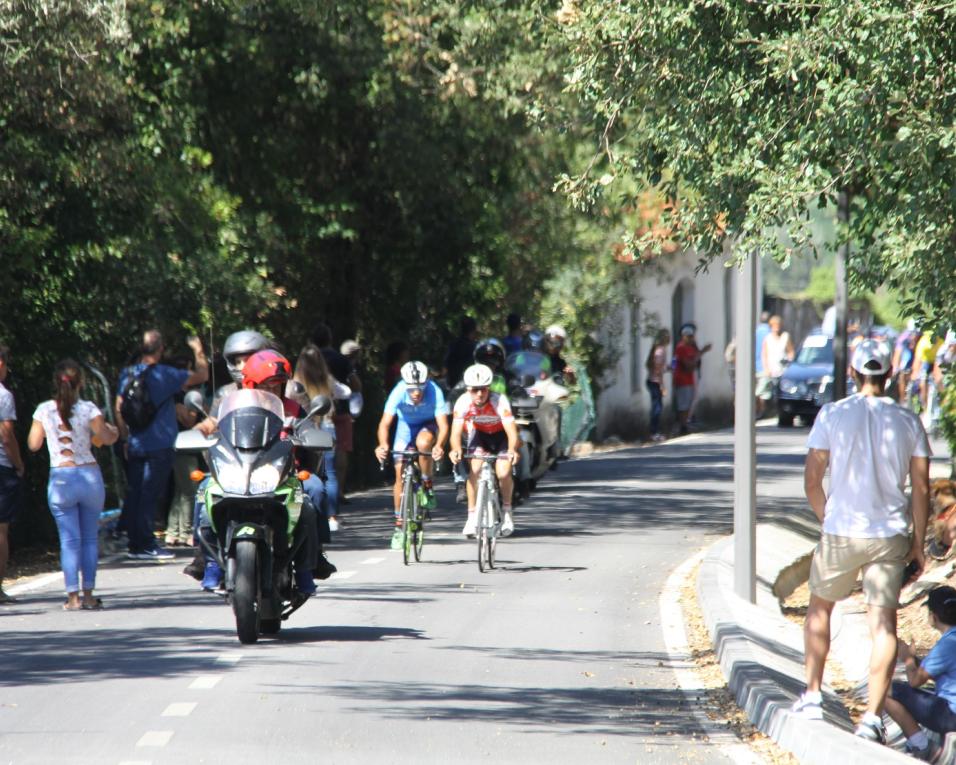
(138, 409)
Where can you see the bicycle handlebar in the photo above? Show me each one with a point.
(486, 457)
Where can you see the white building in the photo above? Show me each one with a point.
(670, 293)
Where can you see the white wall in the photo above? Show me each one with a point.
(709, 302)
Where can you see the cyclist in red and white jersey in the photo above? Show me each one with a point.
(485, 419)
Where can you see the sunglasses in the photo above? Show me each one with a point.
(414, 388)
(478, 390)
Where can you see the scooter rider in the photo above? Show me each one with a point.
(555, 338)
(422, 413)
(486, 419)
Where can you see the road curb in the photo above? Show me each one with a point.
(761, 655)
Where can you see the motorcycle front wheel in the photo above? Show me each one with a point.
(245, 598)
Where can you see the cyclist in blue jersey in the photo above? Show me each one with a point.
(419, 407)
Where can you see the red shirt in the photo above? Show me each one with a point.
(686, 355)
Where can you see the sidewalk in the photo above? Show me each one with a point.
(761, 652)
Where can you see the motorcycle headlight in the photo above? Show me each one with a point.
(264, 479)
(231, 477)
(792, 387)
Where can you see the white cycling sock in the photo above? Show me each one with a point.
(918, 740)
(815, 697)
(869, 717)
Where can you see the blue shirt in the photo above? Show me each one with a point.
(763, 329)
(163, 382)
(940, 663)
(512, 344)
(401, 406)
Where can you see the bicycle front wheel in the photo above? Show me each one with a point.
(481, 527)
(406, 514)
(418, 540)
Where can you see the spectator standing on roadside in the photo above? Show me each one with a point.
(396, 356)
(150, 448)
(342, 371)
(763, 329)
(179, 523)
(656, 365)
(777, 349)
(515, 337)
(461, 352)
(687, 357)
(314, 379)
(11, 468)
(75, 492)
(870, 445)
(911, 706)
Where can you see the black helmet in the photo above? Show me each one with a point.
(533, 341)
(491, 353)
(242, 343)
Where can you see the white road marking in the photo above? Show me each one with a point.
(204, 683)
(675, 642)
(229, 658)
(179, 709)
(136, 762)
(343, 574)
(371, 561)
(155, 738)
(34, 584)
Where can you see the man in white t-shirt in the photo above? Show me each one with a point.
(871, 445)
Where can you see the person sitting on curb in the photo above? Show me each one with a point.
(911, 706)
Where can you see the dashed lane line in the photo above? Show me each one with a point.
(371, 561)
(156, 738)
(204, 683)
(343, 574)
(179, 709)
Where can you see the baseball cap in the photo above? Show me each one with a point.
(941, 598)
(349, 347)
(871, 357)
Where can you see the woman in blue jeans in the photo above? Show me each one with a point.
(911, 706)
(71, 426)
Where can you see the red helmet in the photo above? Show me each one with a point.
(265, 367)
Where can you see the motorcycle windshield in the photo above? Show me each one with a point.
(528, 363)
(250, 419)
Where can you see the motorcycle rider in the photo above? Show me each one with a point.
(238, 347)
(555, 339)
(491, 353)
(422, 413)
(270, 371)
(486, 419)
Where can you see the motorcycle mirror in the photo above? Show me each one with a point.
(194, 401)
(319, 406)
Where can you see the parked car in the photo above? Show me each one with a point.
(807, 383)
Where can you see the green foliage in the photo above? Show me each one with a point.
(209, 166)
(751, 114)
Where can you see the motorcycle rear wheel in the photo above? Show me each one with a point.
(245, 598)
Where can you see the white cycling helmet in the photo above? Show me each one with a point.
(556, 330)
(478, 376)
(415, 373)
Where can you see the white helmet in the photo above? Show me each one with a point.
(556, 330)
(478, 376)
(415, 373)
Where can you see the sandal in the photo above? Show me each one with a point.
(68, 607)
(96, 605)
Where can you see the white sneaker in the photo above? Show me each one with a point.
(508, 524)
(333, 524)
(808, 710)
(470, 525)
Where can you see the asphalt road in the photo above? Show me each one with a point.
(557, 656)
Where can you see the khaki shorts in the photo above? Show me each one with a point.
(838, 560)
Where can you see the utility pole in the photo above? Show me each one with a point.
(839, 337)
(745, 435)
